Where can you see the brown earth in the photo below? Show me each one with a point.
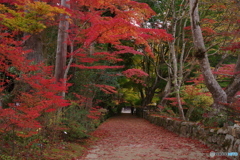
(127, 137)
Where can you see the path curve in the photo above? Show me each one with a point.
(128, 137)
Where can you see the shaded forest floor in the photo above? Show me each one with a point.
(127, 137)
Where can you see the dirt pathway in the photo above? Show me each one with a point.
(127, 137)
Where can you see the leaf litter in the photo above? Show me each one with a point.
(128, 137)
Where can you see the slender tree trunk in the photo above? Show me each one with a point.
(189, 112)
(91, 49)
(141, 94)
(175, 80)
(215, 89)
(175, 65)
(165, 93)
(234, 87)
(150, 92)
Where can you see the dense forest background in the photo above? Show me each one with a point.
(66, 66)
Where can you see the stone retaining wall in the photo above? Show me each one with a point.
(220, 139)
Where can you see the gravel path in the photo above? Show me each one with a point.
(127, 137)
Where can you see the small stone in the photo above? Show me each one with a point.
(231, 131)
(220, 140)
(183, 130)
(236, 146)
(209, 139)
(214, 138)
(236, 126)
(228, 142)
(194, 132)
(222, 131)
(184, 123)
(237, 133)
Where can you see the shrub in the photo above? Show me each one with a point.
(197, 101)
(79, 121)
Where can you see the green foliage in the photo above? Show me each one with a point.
(197, 100)
(215, 121)
(6, 157)
(23, 144)
(214, 60)
(49, 38)
(77, 123)
(6, 99)
(197, 114)
(197, 95)
(113, 110)
(130, 95)
(63, 151)
(74, 131)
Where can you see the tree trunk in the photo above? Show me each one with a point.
(150, 92)
(215, 89)
(165, 93)
(176, 78)
(1, 104)
(35, 44)
(189, 112)
(234, 87)
(61, 55)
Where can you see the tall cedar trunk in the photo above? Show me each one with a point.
(61, 55)
(35, 44)
(215, 89)
(90, 95)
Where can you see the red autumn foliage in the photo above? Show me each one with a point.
(198, 80)
(92, 21)
(136, 75)
(94, 113)
(33, 103)
(174, 101)
(207, 20)
(226, 70)
(106, 88)
(233, 47)
(110, 22)
(39, 92)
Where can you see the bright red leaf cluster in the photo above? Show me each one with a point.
(37, 91)
(136, 75)
(226, 70)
